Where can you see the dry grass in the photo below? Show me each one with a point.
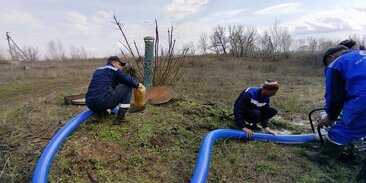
(162, 144)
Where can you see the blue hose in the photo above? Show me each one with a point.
(40, 174)
(203, 162)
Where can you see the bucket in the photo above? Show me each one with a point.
(140, 96)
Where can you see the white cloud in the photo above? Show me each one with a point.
(229, 13)
(183, 8)
(103, 17)
(341, 20)
(76, 21)
(279, 9)
(20, 18)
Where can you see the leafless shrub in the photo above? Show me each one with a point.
(78, 53)
(168, 65)
(203, 43)
(32, 53)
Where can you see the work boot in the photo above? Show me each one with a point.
(121, 116)
(327, 154)
(98, 117)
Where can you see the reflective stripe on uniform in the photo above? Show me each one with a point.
(108, 67)
(257, 103)
(124, 105)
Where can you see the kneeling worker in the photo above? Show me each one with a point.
(252, 106)
(345, 91)
(109, 87)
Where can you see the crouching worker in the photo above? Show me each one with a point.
(252, 106)
(346, 92)
(110, 87)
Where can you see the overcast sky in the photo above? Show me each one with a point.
(87, 23)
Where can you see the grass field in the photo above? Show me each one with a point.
(161, 144)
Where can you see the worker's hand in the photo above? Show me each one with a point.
(248, 132)
(269, 131)
(325, 122)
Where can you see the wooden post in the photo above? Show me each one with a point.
(8, 38)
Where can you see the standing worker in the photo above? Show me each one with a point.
(252, 106)
(109, 87)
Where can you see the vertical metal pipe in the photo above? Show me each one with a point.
(149, 61)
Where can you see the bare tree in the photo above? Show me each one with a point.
(32, 53)
(247, 41)
(191, 47)
(78, 53)
(2, 54)
(275, 33)
(286, 41)
(267, 46)
(300, 45)
(235, 39)
(313, 44)
(203, 43)
(219, 40)
(56, 50)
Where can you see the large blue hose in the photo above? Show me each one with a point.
(203, 162)
(40, 174)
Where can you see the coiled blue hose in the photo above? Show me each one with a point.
(203, 162)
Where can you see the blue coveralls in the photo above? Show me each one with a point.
(104, 91)
(251, 107)
(346, 91)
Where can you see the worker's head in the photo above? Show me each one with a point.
(270, 88)
(333, 53)
(116, 62)
(350, 44)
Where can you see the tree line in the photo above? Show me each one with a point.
(273, 43)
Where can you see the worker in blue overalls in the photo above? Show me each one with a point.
(252, 107)
(109, 87)
(346, 92)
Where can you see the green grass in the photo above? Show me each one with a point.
(161, 144)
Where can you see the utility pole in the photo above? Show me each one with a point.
(8, 38)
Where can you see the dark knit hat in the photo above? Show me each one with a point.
(115, 58)
(271, 85)
(349, 43)
(331, 51)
